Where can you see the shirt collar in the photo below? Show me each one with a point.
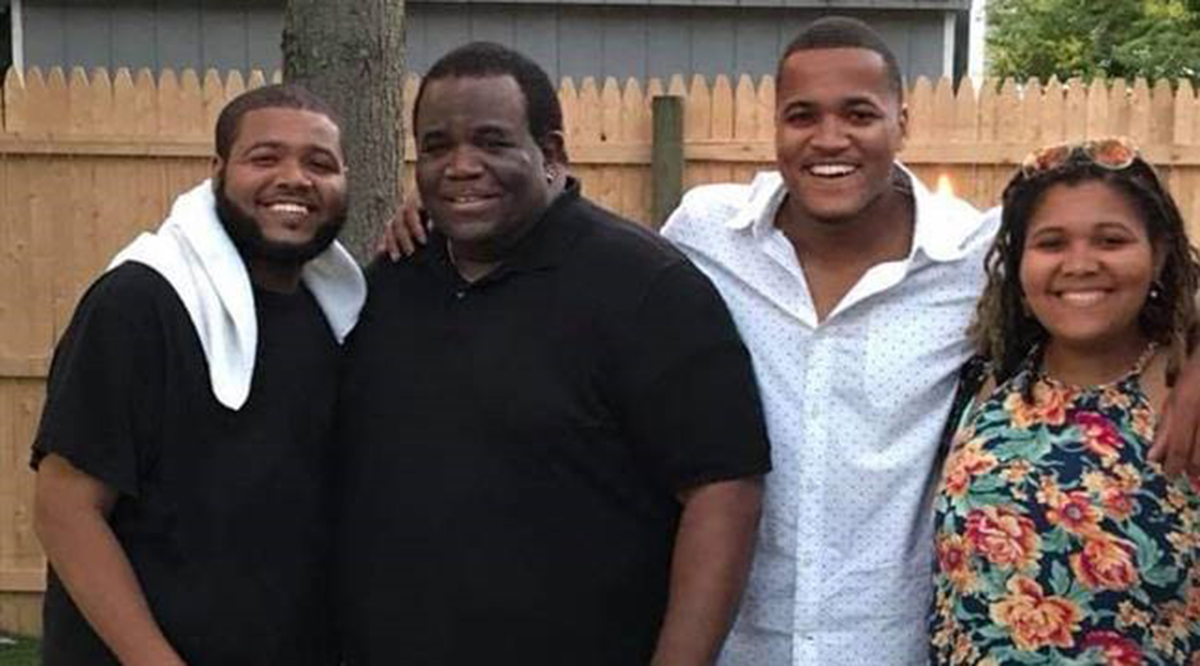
(943, 222)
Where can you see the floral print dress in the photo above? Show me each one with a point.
(1057, 542)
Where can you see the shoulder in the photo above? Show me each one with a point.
(619, 243)
(951, 229)
(709, 208)
(130, 290)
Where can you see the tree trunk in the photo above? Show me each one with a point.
(351, 53)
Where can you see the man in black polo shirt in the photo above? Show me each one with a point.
(183, 454)
(552, 437)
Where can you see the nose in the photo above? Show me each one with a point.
(292, 173)
(1079, 259)
(463, 163)
(830, 134)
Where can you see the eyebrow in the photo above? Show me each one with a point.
(1102, 225)
(277, 145)
(857, 100)
(263, 144)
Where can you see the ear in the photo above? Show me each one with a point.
(216, 165)
(1160, 260)
(554, 149)
(902, 121)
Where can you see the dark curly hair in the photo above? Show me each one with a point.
(1004, 332)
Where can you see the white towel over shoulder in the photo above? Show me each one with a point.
(192, 251)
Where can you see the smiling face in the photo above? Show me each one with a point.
(281, 193)
(1086, 267)
(838, 126)
(481, 174)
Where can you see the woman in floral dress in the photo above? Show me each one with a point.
(1057, 541)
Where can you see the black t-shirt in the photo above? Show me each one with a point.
(224, 515)
(513, 447)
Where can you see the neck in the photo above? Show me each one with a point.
(883, 231)
(1094, 364)
(468, 268)
(274, 276)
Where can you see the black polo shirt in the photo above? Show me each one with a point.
(513, 447)
(223, 515)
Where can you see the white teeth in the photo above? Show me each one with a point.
(1082, 297)
(831, 170)
(466, 199)
(289, 208)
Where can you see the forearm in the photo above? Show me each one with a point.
(70, 520)
(713, 550)
(96, 573)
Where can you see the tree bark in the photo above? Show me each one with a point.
(351, 53)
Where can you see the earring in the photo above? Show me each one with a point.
(1155, 293)
(550, 175)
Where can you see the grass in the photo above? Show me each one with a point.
(22, 653)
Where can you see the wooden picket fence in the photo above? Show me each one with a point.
(88, 160)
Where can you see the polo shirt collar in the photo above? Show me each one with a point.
(939, 232)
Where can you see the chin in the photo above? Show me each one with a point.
(468, 231)
(834, 215)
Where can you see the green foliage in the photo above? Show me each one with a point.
(1089, 38)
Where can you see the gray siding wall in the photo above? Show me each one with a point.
(622, 40)
(645, 41)
(225, 34)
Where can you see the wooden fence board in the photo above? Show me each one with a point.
(697, 126)
(1140, 111)
(568, 98)
(15, 99)
(212, 101)
(920, 112)
(1119, 109)
(145, 107)
(1053, 113)
(1075, 116)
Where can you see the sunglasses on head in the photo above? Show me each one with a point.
(1113, 153)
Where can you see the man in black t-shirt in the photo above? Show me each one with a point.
(182, 458)
(552, 438)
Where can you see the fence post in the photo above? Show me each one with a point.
(666, 156)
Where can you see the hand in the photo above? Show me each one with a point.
(403, 233)
(1175, 438)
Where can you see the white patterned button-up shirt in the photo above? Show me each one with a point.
(854, 406)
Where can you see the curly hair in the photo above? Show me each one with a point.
(1004, 331)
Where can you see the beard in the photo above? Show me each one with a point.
(247, 237)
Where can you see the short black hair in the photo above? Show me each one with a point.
(485, 59)
(278, 96)
(843, 32)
